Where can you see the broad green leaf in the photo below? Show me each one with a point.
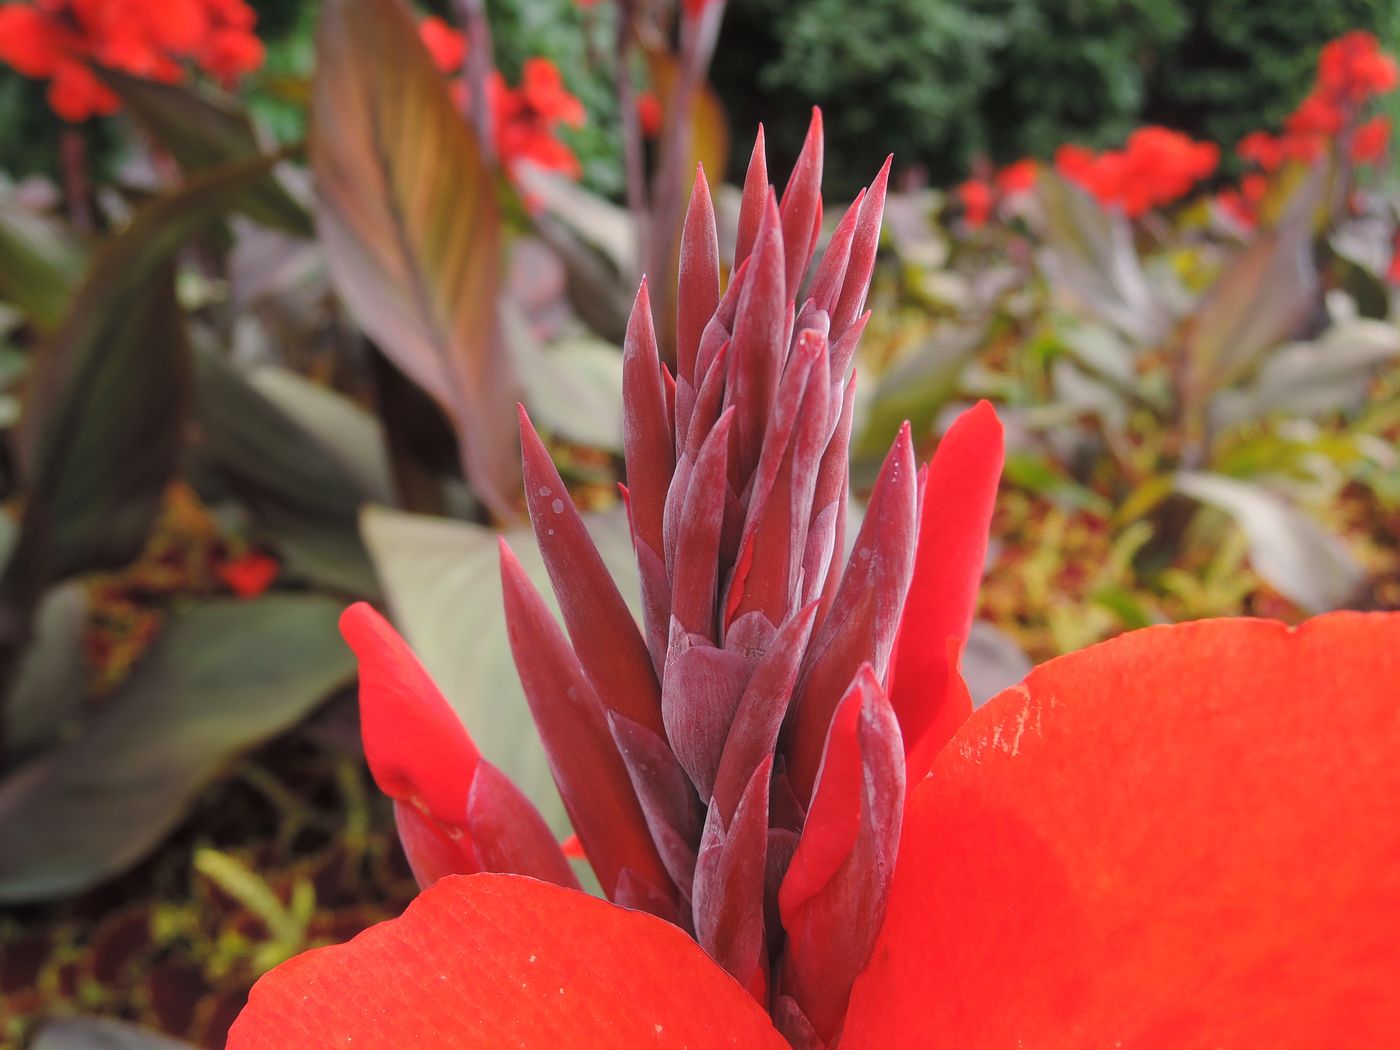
(343, 429)
(1089, 255)
(304, 460)
(1309, 379)
(112, 439)
(408, 216)
(100, 1033)
(223, 676)
(50, 681)
(40, 263)
(205, 129)
(443, 583)
(1287, 548)
(101, 430)
(573, 387)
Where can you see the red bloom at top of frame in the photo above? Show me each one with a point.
(61, 40)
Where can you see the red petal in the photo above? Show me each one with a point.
(698, 283)
(494, 961)
(604, 634)
(826, 283)
(729, 879)
(1185, 837)
(856, 281)
(861, 623)
(759, 346)
(433, 850)
(834, 893)
(754, 730)
(414, 742)
(509, 834)
(957, 512)
(755, 198)
(802, 205)
(591, 776)
(651, 460)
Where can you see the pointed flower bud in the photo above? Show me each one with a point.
(762, 756)
(737, 763)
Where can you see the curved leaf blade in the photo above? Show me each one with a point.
(224, 676)
(407, 213)
(203, 129)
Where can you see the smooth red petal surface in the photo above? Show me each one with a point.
(414, 742)
(493, 961)
(957, 512)
(1183, 838)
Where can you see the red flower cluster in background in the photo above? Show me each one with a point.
(1351, 71)
(61, 40)
(525, 118)
(1156, 166)
(980, 196)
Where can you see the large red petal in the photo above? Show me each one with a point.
(415, 744)
(495, 961)
(957, 511)
(1185, 837)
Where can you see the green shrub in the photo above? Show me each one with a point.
(940, 81)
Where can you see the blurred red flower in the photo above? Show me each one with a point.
(1156, 166)
(977, 198)
(249, 575)
(981, 195)
(60, 40)
(1017, 177)
(447, 46)
(1353, 69)
(1369, 142)
(649, 114)
(524, 118)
